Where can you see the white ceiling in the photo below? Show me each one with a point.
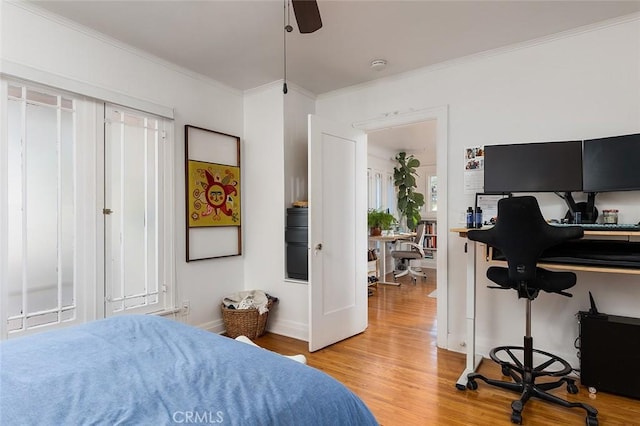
(418, 139)
(240, 43)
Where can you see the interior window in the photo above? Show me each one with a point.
(375, 188)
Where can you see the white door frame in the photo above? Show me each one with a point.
(441, 114)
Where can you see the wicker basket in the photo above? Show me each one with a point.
(245, 322)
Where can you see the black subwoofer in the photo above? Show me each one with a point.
(610, 353)
(296, 237)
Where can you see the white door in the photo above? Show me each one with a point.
(337, 232)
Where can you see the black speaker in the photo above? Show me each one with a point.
(296, 236)
(610, 353)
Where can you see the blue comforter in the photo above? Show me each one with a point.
(148, 370)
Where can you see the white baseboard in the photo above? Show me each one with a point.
(216, 326)
(292, 329)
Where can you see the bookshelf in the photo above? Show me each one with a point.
(372, 271)
(430, 243)
(372, 268)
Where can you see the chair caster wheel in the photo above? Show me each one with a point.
(572, 388)
(516, 417)
(460, 387)
(506, 371)
(517, 406)
(592, 421)
(472, 384)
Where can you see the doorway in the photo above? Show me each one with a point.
(438, 118)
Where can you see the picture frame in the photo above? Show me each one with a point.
(213, 215)
(488, 202)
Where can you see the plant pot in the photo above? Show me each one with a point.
(376, 232)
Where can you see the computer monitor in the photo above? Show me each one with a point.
(611, 164)
(533, 167)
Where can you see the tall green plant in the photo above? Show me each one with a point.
(404, 177)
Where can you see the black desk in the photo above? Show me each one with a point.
(606, 254)
(591, 253)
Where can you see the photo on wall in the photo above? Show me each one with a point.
(473, 169)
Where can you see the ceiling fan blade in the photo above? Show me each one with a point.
(307, 15)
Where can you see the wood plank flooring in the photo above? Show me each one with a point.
(398, 371)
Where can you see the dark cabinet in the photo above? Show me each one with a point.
(297, 238)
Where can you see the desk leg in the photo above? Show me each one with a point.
(383, 268)
(473, 360)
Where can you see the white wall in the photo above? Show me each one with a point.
(35, 45)
(298, 104)
(380, 158)
(581, 85)
(276, 163)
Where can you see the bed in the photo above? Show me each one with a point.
(149, 370)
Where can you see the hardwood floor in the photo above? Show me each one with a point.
(398, 371)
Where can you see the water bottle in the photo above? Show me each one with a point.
(478, 218)
(470, 217)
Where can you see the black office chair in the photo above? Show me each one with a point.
(521, 234)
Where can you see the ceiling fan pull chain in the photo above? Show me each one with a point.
(287, 29)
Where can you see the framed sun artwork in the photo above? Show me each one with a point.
(212, 187)
(214, 194)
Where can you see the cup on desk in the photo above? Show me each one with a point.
(610, 216)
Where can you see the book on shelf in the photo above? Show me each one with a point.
(431, 228)
(430, 241)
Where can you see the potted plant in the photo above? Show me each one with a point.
(404, 177)
(379, 220)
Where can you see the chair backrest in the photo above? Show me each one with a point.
(421, 231)
(522, 234)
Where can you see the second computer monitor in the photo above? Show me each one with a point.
(612, 164)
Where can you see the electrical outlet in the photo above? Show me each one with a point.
(186, 307)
